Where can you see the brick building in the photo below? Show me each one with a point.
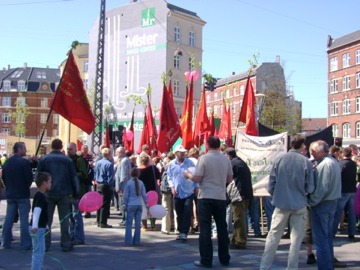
(266, 77)
(36, 86)
(344, 86)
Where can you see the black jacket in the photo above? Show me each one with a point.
(242, 178)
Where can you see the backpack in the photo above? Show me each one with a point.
(164, 185)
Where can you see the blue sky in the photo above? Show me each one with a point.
(40, 32)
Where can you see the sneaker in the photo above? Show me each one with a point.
(311, 259)
(181, 236)
(105, 226)
(143, 229)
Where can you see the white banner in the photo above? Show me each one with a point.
(259, 154)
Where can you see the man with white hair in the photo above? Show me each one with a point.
(182, 189)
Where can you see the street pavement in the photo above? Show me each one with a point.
(104, 249)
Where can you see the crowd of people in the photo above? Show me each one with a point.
(209, 192)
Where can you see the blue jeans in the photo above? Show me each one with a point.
(133, 212)
(38, 241)
(347, 199)
(322, 220)
(13, 205)
(269, 210)
(216, 208)
(254, 211)
(184, 212)
(76, 223)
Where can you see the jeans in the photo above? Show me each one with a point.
(347, 199)
(76, 223)
(254, 211)
(38, 241)
(133, 212)
(269, 210)
(168, 203)
(239, 236)
(217, 209)
(184, 212)
(103, 213)
(280, 219)
(62, 202)
(322, 220)
(13, 205)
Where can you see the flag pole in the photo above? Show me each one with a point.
(52, 106)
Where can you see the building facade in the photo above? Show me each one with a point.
(33, 88)
(140, 41)
(344, 86)
(266, 77)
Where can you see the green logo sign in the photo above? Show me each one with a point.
(148, 17)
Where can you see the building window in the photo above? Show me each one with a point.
(6, 118)
(21, 101)
(334, 86)
(346, 130)
(44, 103)
(86, 85)
(86, 65)
(6, 86)
(346, 82)
(215, 109)
(45, 133)
(357, 104)
(221, 109)
(43, 117)
(177, 34)
(55, 118)
(21, 86)
(191, 64)
(335, 130)
(346, 106)
(176, 62)
(333, 64)
(357, 80)
(227, 93)
(55, 133)
(17, 74)
(176, 90)
(242, 89)
(5, 130)
(177, 110)
(215, 96)
(346, 60)
(192, 39)
(41, 75)
(234, 108)
(6, 101)
(357, 129)
(357, 56)
(334, 108)
(208, 98)
(21, 119)
(234, 91)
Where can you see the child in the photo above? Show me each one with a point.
(39, 220)
(134, 192)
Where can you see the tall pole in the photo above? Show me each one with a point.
(98, 97)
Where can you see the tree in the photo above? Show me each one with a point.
(20, 114)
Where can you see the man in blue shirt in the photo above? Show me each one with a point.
(104, 176)
(182, 189)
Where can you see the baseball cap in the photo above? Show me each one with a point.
(180, 148)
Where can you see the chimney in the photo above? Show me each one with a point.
(133, 1)
(8, 67)
(232, 73)
(47, 66)
(25, 65)
(278, 59)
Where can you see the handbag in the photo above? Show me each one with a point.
(164, 185)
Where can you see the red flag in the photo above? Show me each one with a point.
(223, 131)
(212, 125)
(170, 94)
(129, 145)
(228, 140)
(79, 144)
(247, 114)
(144, 136)
(151, 126)
(202, 124)
(187, 136)
(107, 135)
(183, 112)
(70, 99)
(169, 126)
